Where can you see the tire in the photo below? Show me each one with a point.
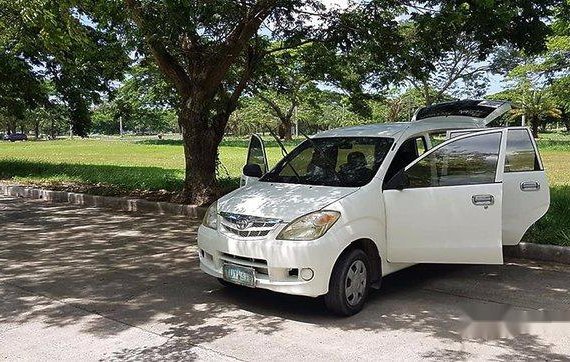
(337, 301)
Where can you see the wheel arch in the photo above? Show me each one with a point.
(369, 247)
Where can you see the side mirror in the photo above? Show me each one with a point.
(252, 170)
(399, 181)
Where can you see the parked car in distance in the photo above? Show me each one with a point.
(13, 137)
(351, 205)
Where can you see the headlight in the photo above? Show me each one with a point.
(309, 227)
(211, 218)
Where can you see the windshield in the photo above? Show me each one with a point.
(335, 161)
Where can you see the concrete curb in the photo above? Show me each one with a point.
(559, 254)
(109, 202)
(554, 253)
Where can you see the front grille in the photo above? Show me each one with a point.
(260, 265)
(247, 226)
(245, 233)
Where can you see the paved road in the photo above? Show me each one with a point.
(86, 284)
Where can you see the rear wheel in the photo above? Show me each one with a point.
(349, 283)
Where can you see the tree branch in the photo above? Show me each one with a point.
(166, 62)
(235, 43)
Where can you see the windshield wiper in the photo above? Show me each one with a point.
(284, 152)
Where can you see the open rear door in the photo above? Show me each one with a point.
(256, 155)
(448, 208)
(525, 186)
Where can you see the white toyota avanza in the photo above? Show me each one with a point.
(350, 205)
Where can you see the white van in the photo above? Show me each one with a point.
(350, 205)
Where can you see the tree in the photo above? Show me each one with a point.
(20, 90)
(57, 44)
(542, 85)
(144, 102)
(535, 105)
(209, 50)
(460, 71)
(560, 93)
(284, 81)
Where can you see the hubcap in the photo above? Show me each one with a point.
(355, 283)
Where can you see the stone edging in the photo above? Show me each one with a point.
(555, 253)
(115, 203)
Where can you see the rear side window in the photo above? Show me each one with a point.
(520, 155)
(468, 161)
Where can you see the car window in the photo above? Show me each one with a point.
(520, 155)
(467, 161)
(332, 161)
(406, 154)
(255, 154)
(437, 138)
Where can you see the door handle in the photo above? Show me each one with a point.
(530, 186)
(483, 200)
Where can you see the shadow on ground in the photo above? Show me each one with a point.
(143, 271)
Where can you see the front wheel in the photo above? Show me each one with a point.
(349, 284)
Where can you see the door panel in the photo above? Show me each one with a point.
(526, 193)
(450, 207)
(255, 155)
(443, 225)
(522, 208)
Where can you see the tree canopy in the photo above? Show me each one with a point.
(212, 53)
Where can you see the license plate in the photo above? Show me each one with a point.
(239, 275)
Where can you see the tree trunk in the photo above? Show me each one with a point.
(535, 124)
(37, 129)
(285, 129)
(200, 140)
(52, 129)
(566, 119)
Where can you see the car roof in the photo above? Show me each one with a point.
(437, 117)
(396, 129)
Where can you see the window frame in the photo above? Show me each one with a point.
(534, 146)
(257, 137)
(424, 137)
(499, 171)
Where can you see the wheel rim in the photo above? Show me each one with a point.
(355, 283)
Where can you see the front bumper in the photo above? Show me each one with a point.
(278, 263)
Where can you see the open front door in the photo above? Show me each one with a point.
(256, 155)
(447, 207)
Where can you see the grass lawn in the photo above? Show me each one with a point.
(138, 165)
